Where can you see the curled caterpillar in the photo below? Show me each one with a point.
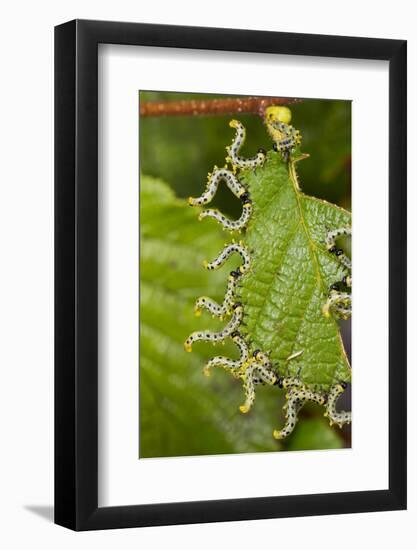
(298, 395)
(292, 408)
(286, 139)
(255, 373)
(331, 238)
(233, 149)
(249, 388)
(231, 365)
(214, 179)
(339, 301)
(337, 417)
(231, 225)
(204, 302)
(248, 370)
(227, 251)
(209, 336)
(251, 372)
(296, 399)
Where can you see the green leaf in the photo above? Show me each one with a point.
(183, 412)
(290, 276)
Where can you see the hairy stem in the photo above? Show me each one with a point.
(199, 107)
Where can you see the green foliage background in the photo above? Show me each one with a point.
(181, 411)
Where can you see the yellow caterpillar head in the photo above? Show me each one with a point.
(278, 113)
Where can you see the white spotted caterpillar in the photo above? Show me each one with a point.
(339, 301)
(247, 313)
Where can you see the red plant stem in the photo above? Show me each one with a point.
(201, 107)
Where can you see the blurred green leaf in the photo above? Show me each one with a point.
(314, 433)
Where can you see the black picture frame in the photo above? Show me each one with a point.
(76, 272)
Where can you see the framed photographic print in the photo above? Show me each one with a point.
(216, 359)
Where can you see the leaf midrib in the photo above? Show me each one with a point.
(312, 248)
(312, 244)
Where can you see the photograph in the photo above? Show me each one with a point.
(245, 274)
(186, 193)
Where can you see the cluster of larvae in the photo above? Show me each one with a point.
(253, 366)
